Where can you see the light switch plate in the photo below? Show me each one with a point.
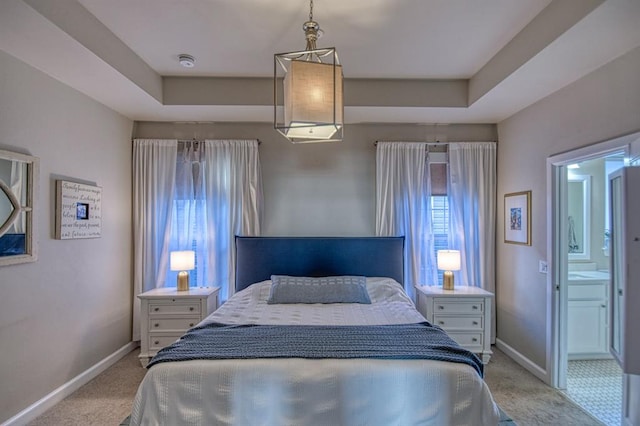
(542, 267)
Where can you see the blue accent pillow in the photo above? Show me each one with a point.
(341, 289)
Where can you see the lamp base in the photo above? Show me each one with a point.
(183, 281)
(447, 282)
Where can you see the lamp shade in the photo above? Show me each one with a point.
(308, 98)
(449, 260)
(313, 100)
(182, 260)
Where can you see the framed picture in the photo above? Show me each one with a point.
(517, 218)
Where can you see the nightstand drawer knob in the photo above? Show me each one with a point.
(157, 342)
(191, 308)
(475, 306)
(190, 324)
(475, 323)
(441, 322)
(475, 339)
(156, 325)
(156, 309)
(440, 307)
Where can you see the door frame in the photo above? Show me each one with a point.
(557, 259)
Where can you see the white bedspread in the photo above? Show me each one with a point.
(389, 305)
(305, 392)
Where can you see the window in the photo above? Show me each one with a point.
(438, 173)
(440, 226)
(189, 222)
(188, 225)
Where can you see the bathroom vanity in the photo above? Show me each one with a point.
(588, 315)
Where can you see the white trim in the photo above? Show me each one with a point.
(525, 362)
(39, 407)
(554, 363)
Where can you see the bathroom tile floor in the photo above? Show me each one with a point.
(596, 385)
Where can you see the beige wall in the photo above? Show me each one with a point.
(72, 308)
(321, 189)
(603, 105)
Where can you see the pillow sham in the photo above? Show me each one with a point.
(340, 289)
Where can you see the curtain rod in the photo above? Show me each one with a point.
(196, 140)
(202, 140)
(437, 143)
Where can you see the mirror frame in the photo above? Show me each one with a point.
(32, 179)
(585, 254)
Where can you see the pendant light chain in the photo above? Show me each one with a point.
(311, 29)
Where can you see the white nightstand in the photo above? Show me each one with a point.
(167, 313)
(464, 313)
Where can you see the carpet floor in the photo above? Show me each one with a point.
(526, 400)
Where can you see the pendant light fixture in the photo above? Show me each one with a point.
(307, 89)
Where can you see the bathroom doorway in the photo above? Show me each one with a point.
(593, 377)
(579, 278)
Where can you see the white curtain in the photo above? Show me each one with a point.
(233, 192)
(192, 196)
(18, 182)
(403, 207)
(472, 203)
(154, 172)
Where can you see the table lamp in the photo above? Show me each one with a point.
(183, 261)
(448, 261)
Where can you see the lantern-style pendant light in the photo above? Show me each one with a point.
(307, 89)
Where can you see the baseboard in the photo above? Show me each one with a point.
(525, 362)
(39, 407)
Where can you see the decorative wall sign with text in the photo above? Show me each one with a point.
(78, 210)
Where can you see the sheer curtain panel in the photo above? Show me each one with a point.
(233, 192)
(154, 173)
(472, 200)
(193, 196)
(403, 207)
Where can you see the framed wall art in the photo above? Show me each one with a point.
(78, 210)
(517, 218)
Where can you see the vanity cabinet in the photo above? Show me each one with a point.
(588, 325)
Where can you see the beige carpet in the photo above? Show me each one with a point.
(107, 399)
(527, 400)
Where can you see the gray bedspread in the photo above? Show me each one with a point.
(401, 341)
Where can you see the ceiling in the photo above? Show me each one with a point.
(404, 61)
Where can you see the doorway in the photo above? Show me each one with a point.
(579, 279)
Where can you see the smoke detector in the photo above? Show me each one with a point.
(186, 61)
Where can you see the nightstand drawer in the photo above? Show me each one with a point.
(171, 307)
(158, 342)
(471, 322)
(467, 339)
(457, 306)
(172, 324)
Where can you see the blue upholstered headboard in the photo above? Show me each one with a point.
(257, 258)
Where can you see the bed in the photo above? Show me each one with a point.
(291, 387)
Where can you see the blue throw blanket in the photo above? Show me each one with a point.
(402, 341)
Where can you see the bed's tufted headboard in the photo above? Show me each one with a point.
(257, 258)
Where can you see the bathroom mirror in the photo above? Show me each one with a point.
(18, 186)
(579, 208)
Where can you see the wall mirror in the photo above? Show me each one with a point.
(579, 219)
(18, 187)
